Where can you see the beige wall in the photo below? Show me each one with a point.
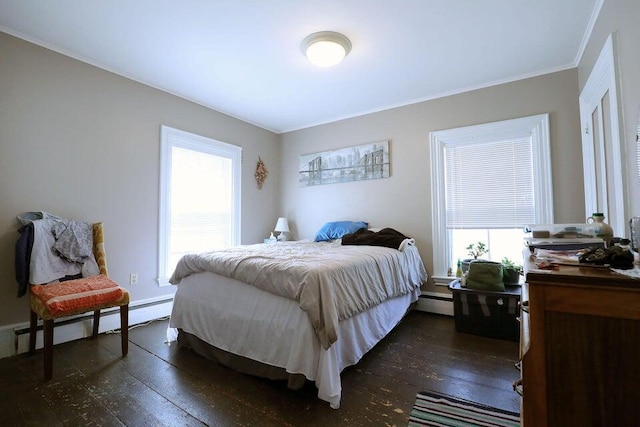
(621, 17)
(403, 201)
(84, 144)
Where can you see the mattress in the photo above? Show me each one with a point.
(247, 321)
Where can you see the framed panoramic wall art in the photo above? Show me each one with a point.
(357, 163)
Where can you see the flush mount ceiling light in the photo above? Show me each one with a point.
(325, 48)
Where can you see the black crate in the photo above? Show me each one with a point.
(486, 313)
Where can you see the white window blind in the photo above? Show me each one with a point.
(201, 203)
(489, 184)
(199, 197)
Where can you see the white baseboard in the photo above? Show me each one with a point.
(7, 341)
(14, 339)
(434, 302)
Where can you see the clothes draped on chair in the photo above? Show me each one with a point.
(58, 248)
(63, 263)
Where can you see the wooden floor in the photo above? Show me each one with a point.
(160, 384)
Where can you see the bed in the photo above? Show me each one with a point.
(294, 310)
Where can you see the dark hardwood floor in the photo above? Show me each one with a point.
(160, 384)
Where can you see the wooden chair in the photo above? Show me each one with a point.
(68, 298)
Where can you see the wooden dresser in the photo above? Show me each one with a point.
(580, 348)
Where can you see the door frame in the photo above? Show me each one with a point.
(598, 152)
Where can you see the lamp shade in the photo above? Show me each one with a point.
(282, 225)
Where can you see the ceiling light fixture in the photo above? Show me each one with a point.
(325, 48)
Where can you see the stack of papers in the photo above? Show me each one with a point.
(548, 258)
(558, 257)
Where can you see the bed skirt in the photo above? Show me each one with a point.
(274, 332)
(239, 363)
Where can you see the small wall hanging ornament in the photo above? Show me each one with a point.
(261, 173)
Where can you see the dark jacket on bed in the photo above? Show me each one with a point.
(387, 237)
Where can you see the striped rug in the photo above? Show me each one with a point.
(434, 409)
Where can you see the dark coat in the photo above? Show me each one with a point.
(23, 257)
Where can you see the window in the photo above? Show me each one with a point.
(489, 181)
(199, 197)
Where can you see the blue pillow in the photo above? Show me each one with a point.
(337, 229)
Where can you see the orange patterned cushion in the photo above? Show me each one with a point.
(75, 295)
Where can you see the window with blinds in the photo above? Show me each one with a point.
(488, 183)
(200, 197)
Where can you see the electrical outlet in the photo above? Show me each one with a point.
(133, 279)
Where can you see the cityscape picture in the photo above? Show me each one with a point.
(361, 162)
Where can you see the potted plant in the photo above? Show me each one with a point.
(475, 250)
(510, 271)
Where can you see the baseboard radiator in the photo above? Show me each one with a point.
(16, 340)
(77, 327)
(434, 302)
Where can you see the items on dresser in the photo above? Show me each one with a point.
(562, 236)
(615, 257)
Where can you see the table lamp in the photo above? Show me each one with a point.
(282, 226)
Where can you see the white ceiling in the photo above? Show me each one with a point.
(242, 57)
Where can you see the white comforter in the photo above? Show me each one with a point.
(329, 281)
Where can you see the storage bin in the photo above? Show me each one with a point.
(486, 313)
(561, 231)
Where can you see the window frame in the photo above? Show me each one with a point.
(537, 127)
(169, 138)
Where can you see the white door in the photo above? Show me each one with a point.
(604, 183)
